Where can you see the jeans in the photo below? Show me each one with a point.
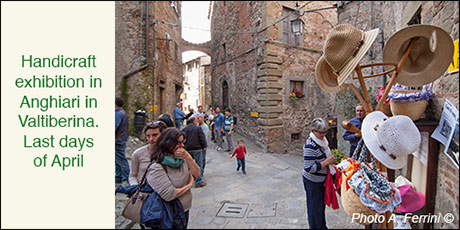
(178, 123)
(204, 159)
(315, 204)
(352, 150)
(198, 157)
(121, 163)
(241, 163)
(229, 140)
(219, 138)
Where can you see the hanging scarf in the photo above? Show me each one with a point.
(325, 145)
(172, 162)
(330, 199)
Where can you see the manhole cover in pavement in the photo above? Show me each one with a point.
(262, 210)
(233, 210)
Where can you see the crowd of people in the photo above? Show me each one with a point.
(174, 158)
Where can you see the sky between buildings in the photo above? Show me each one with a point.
(195, 26)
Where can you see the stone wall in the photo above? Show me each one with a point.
(238, 67)
(205, 82)
(140, 72)
(390, 17)
(259, 67)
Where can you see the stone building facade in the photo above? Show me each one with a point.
(257, 61)
(148, 57)
(197, 87)
(390, 17)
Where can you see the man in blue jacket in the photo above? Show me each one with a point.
(121, 137)
(219, 128)
(178, 115)
(354, 138)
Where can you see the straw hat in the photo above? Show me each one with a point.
(326, 78)
(411, 200)
(390, 140)
(344, 48)
(429, 58)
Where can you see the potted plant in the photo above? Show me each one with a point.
(294, 95)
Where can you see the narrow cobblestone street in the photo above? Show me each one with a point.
(271, 195)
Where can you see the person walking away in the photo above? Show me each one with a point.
(194, 144)
(219, 127)
(241, 153)
(316, 161)
(174, 170)
(140, 159)
(121, 137)
(354, 138)
(166, 118)
(228, 129)
(205, 129)
(178, 116)
(211, 125)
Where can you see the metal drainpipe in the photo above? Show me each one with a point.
(153, 59)
(147, 31)
(384, 77)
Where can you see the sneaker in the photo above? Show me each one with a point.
(202, 184)
(244, 173)
(219, 148)
(237, 169)
(228, 150)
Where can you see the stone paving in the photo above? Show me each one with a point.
(272, 192)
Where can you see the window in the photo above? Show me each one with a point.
(296, 86)
(224, 51)
(168, 38)
(288, 36)
(174, 5)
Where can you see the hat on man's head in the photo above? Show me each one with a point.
(344, 48)
(429, 58)
(390, 140)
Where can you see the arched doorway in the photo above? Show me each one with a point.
(224, 95)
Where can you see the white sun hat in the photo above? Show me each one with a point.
(390, 140)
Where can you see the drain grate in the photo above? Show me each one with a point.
(233, 210)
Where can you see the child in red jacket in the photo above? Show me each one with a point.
(240, 152)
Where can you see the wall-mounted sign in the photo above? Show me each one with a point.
(453, 67)
(153, 108)
(254, 114)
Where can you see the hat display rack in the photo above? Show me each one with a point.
(433, 64)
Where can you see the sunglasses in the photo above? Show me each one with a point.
(321, 132)
(181, 142)
(152, 123)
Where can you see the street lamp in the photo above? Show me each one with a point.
(297, 24)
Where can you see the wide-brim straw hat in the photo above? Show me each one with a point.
(429, 58)
(326, 78)
(390, 140)
(344, 48)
